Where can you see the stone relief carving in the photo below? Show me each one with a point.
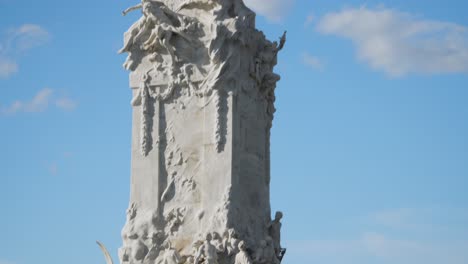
(168, 256)
(188, 57)
(220, 117)
(178, 51)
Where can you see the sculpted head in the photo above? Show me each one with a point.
(241, 246)
(146, 7)
(232, 233)
(278, 215)
(215, 235)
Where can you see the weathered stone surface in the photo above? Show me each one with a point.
(203, 103)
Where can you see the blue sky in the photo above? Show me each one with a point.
(369, 144)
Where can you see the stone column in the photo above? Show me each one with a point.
(203, 103)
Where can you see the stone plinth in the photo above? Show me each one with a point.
(203, 104)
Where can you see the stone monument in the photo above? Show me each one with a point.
(203, 103)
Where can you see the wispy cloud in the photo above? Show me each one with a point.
(309, 19)
(312, 61)
(53, 168)
(7, 67)
(66, 104)
(423, 219)
(273, 10)
(400, 43)
(432, 235)
(39, 103)
(381, 248)
(17, 42)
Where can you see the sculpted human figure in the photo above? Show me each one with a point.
(242, 257)
(156, 23)
(230, 242)
(207, 252)
(274, 230)
(218, 242)
(156, 239)
(267, 59)
(170, 256)
(162, 32)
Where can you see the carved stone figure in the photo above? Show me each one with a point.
(189, 260)
(218, 242)
(203, 93)
(275, 232)
(231, 242)
(242, 257)
(207, 252)
(175, 219)
(171, 256)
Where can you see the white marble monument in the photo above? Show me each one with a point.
(203, 103)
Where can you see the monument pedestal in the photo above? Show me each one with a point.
(203, 95)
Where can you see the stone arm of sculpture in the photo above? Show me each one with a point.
(199, 255)
(282, 42)
(194, 2)
(130, 9)
(270, 225)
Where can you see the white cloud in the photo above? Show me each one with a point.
(273, 10)
(396, 218)
(53, 168)
(16, 43)
(7, 68)
(29, 36)
(309, 19)
(381, 248)
(312, 61)
(39, 103)
(66, 103)
(433, 235)
(400, 43)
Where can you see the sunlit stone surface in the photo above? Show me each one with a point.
(203, 103)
